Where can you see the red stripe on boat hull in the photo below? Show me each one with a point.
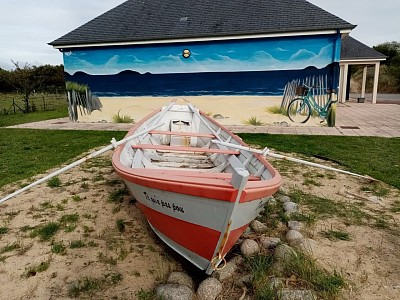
(198, 239)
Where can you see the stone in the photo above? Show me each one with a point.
(284, 252)
(283, 198)
(287, 294)
(181, 278)
(227, 272)
(258, 227)
(245, 280)
(295, 225)
(247, 232)
(275, 283)
(305, 245)
(271, 200)
(218, 117)
(249, 247)
(209, 289)
(290, 207)
(269, 242)
(238, 259)
(173, 291)
(292, 235)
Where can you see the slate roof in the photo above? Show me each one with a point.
(149, 20)
(353, 49)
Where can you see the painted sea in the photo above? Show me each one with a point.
(262, 83)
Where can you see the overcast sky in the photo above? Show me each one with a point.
(27, 26)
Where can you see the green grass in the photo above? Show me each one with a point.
(300, 268)
(59, 248)
(3, 230)
(77, 244)
(54, 182)
(49, 106)
(28, 152)
(46, 231)
(10, 248)
(323, 208)
(253, 121)
(373, 156)
(120, 224)
(118, 195)
(90, 286)
(122, 118)
(276, 110)
(336, 235)
(304, 268)
(15, 119)
(33, 270)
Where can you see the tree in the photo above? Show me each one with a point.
(5, 82)
(26, 81)
(392, 51)
(50, 77)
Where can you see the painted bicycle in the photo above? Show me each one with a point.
(301, 108)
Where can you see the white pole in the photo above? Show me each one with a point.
(376, 79)
(114, 144)
(267, 152)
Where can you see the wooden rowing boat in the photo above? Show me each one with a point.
(197, 195)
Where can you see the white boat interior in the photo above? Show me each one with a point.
(184, 141)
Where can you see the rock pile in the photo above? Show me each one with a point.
(180, 286)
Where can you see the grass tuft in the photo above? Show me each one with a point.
(54, 182)
(304, 270)
(120, 224)
(3, 230)
(118, 195)
(253, 121)
(122, 118)
(90, 286)
(276, 110)
(59, 248)
(45, 232)
(77, 244)
(33, 270)
(336, 235)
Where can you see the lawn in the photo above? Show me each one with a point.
(373, 156)
(27, 152)
(47, 106)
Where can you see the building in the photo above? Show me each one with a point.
(174, 48)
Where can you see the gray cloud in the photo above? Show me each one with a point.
(27, 26)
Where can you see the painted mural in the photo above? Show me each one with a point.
(241, 67)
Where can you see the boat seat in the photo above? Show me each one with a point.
(185, 149)
(181, 133)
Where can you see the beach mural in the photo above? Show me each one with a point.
(234, 67)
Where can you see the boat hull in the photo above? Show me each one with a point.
(192, 225)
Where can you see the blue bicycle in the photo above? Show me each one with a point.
(301, 108)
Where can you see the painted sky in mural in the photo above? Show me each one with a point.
(232, 56)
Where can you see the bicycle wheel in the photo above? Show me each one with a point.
(299, 111)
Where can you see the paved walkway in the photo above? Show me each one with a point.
(352, 119)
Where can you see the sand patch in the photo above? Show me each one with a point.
(234, 110)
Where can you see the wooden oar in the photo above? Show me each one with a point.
(113, 145)
(296, 160)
